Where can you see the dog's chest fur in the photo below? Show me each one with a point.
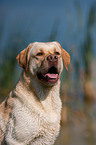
(38, 123)
(32, 124)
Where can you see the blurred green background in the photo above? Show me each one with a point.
(73, 24)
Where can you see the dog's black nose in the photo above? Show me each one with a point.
(52, 58)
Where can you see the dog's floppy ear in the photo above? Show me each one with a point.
(23, 57)
(66, 56)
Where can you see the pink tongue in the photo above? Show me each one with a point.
(51, 76)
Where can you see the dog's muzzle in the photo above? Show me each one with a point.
(50, 76)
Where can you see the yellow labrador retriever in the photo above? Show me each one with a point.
(30, 115)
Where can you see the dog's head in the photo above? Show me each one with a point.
(44, 61)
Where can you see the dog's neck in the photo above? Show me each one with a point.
(45, 94)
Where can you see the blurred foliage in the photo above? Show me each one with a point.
(8, 64)
(87, 53)
(87, 47)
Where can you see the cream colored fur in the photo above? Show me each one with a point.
(30, 115)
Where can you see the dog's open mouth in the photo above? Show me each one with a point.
(51, 76)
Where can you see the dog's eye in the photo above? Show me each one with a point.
(39, 54)
(57, 53)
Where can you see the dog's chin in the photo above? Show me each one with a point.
(50, 77)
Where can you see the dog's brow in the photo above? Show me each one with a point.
(40, 49)
(56, 49)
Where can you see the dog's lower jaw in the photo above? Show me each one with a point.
(49, 77)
